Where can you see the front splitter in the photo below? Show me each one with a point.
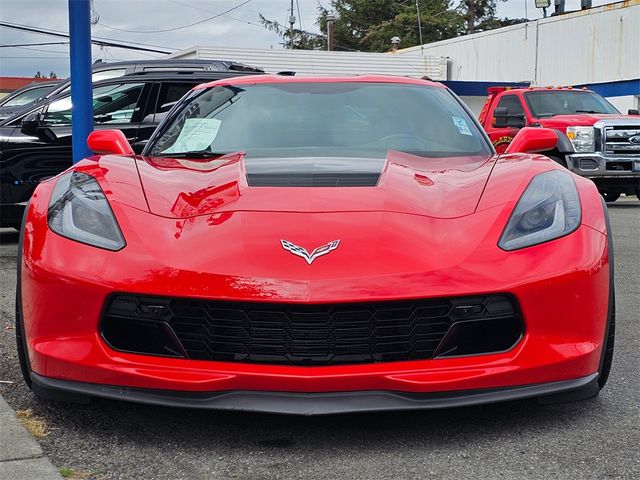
(324, 403)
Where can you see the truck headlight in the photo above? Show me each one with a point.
(583, 138)
(548, 209)
(79, 210)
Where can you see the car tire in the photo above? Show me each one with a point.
(21, 344)
(637, 190)
(40, 392)
(609, 339)
(559, 160)
(608, 346)
(610, 197)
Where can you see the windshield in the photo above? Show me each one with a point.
(27, 96)
(549, 103)
(329, 119)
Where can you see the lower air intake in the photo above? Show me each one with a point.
(303, 334)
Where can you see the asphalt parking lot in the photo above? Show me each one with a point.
(597, 439)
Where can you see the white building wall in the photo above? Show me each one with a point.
(598, 45)
(625, 102)
(316, 62)
(591, 46)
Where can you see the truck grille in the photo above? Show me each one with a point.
(304, 334)
(622, 140)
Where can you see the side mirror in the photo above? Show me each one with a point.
(502, 118)
(109, 142)
(633, 111)
(34, 126)
(31, 123)
(533, 139)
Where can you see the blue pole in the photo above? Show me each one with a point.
(80, 56)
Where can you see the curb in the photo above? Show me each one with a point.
(21, 457)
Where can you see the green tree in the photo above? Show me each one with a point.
(302, 40)
(53, 74)
(480, 15)
(369, 25)
(38, 75)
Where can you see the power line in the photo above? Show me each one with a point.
(18, 45)
(177, 28)
(38, 49)
(95, 41)
(22, 57)
(227, 16)
(299, 15)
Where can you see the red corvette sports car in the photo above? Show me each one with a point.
(313, 246)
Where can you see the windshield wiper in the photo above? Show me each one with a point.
(587, 111)
(192, 154)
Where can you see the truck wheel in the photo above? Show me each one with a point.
(559, 160)
(610, 196)
(637, 189)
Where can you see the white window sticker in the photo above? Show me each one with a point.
(196, 134)
(462, 126)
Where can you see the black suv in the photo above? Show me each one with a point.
(107, 70)
(36, 144)
(23, 98)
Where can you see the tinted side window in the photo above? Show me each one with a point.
(111, 104)
(513, 105)
(169, 94)
(108, 74)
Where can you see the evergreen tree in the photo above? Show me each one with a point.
(369, 25)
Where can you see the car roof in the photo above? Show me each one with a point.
(197, 77)
(138, 65)
(263, 79)
(31, 86)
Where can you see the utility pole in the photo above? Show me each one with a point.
(330, 19)
(292, 21)
(419, 25)
(80, 59)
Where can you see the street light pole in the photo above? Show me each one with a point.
(80, 68)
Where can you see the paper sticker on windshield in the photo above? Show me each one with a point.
(461, 125)
(196, 134)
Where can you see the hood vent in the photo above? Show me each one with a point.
(314, 172)
(313, 180)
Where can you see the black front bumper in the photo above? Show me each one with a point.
(314, 403)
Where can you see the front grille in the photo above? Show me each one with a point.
(620, 166)
(303, 334)
(621, 140)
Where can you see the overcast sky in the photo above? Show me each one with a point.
(237, 28)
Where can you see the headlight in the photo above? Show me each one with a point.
(583, 138)
(79, 210)
(549, 208)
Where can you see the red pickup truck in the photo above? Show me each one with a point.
(602, 145)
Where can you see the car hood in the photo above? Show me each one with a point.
(403, 183)
(578, 119)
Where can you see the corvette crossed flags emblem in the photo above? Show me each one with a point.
(309, 257)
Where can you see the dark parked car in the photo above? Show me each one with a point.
(24, 97)
(107, 70)
(36, 144)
